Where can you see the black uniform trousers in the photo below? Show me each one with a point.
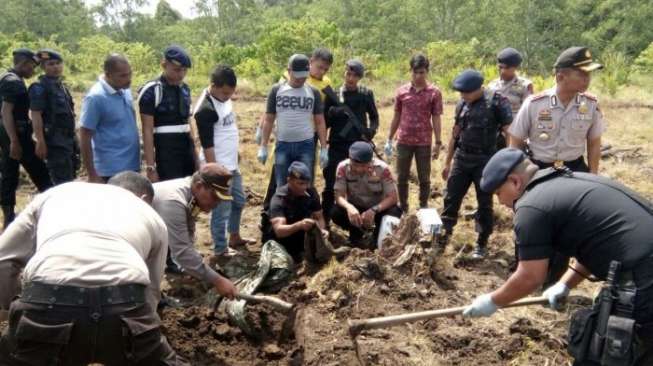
(174, 155)
(34, 166)
(60, 160)
(467, 169)
(340, 217)
(338, 152)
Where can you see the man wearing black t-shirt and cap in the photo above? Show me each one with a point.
(591, 218)
(294, 209)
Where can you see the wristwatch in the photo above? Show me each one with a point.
(438, 142)
(375, 208)
(150, 168)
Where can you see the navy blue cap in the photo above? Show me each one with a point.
(509, 57)
(48, 54)
(468, 81)
(499, 167)
(361, 152)
(299, 170)
(177, 56)
(299, 65)
(25, 52)
(356, 66)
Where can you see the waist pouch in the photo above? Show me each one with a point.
(620, 346)
(581, 329)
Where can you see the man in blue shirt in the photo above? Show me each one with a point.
(109, 139)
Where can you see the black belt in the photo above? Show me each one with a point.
(557, 163)
(41, 293)
(476, 151)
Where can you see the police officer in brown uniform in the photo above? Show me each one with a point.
(561, 122)
(365, 192)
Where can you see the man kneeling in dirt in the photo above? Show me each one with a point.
(365, 192)
(603, 225)
(294, 210)
(93, 258)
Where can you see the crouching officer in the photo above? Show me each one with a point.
(16, 133)
(601, 224)
(294, 209)
(53, 117)
(480, 116)
(365, 192)
(79, 305)
(164, 103)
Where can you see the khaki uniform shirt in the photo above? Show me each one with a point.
(172, 201)
(83, 234)
(555, 132)
(516, 90)
(367, 190)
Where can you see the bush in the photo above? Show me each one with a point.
(644, 62)
(616, 72)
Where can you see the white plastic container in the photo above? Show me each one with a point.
(429, 221)
(388, 225)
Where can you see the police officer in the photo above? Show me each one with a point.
(168, 146)
(512, 86)
(561, 122)
(480, 115)
(597, 221)
(294, 209)
(365, 192)
(348, 122)
(16, 133)
(53, 117)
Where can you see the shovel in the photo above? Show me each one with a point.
(356, 326)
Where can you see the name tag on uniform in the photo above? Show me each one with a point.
(583, 116)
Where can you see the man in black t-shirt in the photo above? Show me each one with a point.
(294, 209)
(581, 215)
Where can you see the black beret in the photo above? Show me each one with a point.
(25, 52)
(177, 56)
(361, 152)
(500, 165)
(468, 81)
(299, 170)
(509, 57)
(48, 54)
(356, 67)
(577, 58)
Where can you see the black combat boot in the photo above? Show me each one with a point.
(481, 247)
(9, 215)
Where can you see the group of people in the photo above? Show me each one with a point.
(92, 273)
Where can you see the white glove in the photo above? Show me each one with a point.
(387, 149)
(259, 135)
(555, 293)
(262, 155)
(324, 157)
(481, 306)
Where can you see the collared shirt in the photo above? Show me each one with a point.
(171, 200)
(14, 91)
(556, 132)
(217, 129)
(415, 109)
(110, 115)
(516, 90)
(84, 234)
(367, 190)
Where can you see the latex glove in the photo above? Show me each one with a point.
(259, 135)
(262, 155)
(387, 149)
(556, 293)
(481, 306)
(324, 157)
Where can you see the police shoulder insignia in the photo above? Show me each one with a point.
(590, 97)
(539, 96)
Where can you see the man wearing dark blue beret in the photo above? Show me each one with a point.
(480, 116)
(164, 104)
(510, 84)
(605, 226)
(16, 133)
(53, 117)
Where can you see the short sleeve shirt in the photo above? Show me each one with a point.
(516, 90)
(415, 109)
(367, 190)
(294, 109)
(14, 91)
(555, 132)
(292, 208)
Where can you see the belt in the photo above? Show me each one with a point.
(556, 163)
(41, 293)
(477, 151)
(173, 129)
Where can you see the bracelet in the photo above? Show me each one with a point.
(150, 168)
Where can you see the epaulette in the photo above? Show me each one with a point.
(590, 97)
(539, 96)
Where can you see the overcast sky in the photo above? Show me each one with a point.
(185, 7)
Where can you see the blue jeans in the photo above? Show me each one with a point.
(287, 152)
(228, 212)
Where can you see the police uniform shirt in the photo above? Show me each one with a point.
(40, 100)
(83, 234)
(294, 209)
(589, 221)
(367, 190)
(478, 122)
(14, 91)
(555, 132)
(170, 108)
(172, 200)
(294, 109)
(361, 102)
(516, 90)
